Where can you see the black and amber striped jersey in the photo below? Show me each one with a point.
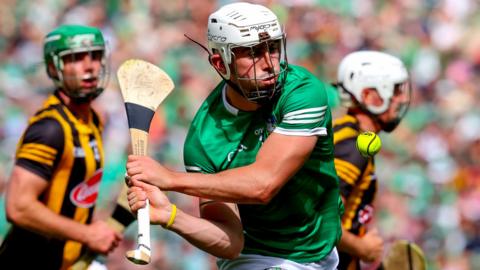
(358, 182)
(67, 153)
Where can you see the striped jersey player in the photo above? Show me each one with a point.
(54, 184)
(376, 90)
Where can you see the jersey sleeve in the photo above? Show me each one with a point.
(194, 156)
(41, 147)
(305, 111)
(349, 164)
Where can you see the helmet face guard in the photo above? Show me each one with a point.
(72, 43)
(71, 84)
(402, 91)
(271, 50)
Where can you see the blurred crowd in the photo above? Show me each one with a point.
(429, 168)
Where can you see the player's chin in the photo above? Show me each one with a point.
(266, 87)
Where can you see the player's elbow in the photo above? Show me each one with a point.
(266, 193)
(14, 213)
(264, 197)
(231, 254)
(233, 251)
(17, 211)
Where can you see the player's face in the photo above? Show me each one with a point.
(81, 70)
(257, 67)
(398, 104)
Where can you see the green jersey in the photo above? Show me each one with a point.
(302, 222)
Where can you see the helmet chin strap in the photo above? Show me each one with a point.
(389, 126)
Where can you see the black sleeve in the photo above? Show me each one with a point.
(41, 147)
(123, 215)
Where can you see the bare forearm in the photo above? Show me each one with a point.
(238, 185)
(350, 243)
(213, 237)
(37, 217)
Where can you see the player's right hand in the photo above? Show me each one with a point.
(148, 170)
(373, 246)
(101, 238)
(160, 206)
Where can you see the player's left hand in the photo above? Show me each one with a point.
(160, 206)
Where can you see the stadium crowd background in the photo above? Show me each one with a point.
(429, 168)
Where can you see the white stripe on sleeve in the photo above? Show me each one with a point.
(309, 110)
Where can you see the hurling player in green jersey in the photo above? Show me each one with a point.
(376, 90)
(259, 154)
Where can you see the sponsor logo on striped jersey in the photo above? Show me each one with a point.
(85, 194)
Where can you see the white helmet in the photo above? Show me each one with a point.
(372, 69)
(242, 25)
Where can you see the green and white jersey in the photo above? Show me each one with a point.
(302, 222)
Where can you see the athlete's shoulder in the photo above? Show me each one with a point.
(45, 125)
(346, 130)
(299, 74)
(45, 131)
(346, 122)
(347, 157)
(41, 146)
(300, 80)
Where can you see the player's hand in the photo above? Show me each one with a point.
(373, 246)
(146, 169)
(160, 206)
(101, 238)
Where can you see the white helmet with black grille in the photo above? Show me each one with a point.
(243, 25)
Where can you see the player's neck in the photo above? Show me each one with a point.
(240, 102)
(366, 123)
(80, 110)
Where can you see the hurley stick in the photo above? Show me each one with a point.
(144, 86)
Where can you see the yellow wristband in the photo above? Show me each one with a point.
(172, 216)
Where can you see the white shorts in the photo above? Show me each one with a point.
(259, 262)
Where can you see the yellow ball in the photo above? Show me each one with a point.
(368, 144)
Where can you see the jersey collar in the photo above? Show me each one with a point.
(229, 107)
